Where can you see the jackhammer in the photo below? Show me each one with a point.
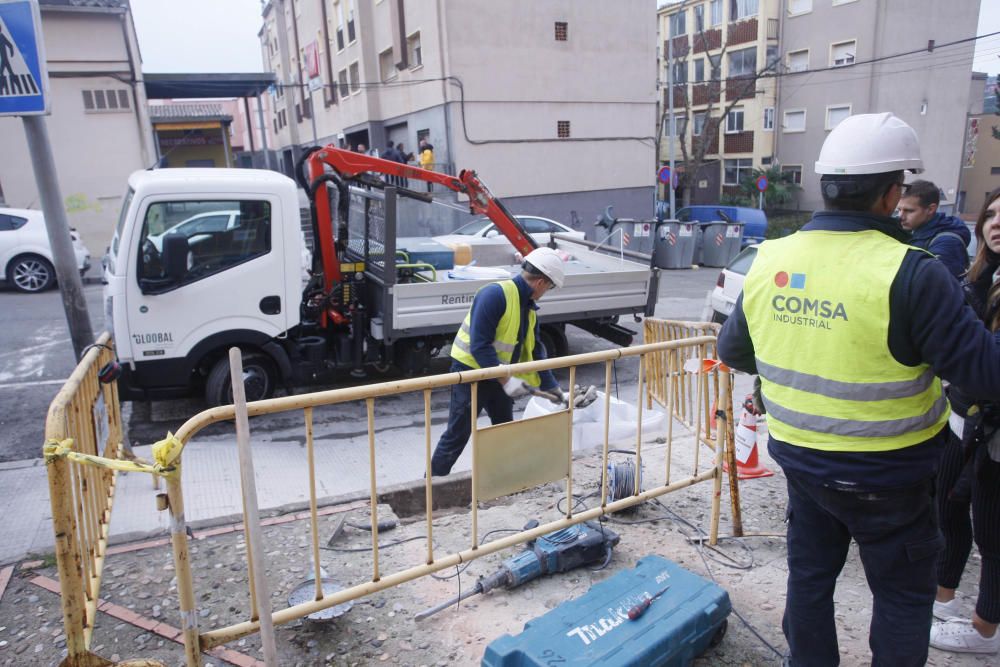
(554, 552)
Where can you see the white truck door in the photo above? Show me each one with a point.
(231, 276)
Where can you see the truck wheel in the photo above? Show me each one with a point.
(259, 379)
(555, 342)
(719, 634)
(31, 273)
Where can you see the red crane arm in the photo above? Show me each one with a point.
(353, 166)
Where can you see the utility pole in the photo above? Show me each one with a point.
(673, 125)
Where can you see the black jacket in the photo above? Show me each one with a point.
(929, 322)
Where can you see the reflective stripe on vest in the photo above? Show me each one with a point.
(505, 338)
(817, 307)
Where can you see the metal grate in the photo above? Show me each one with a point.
(562, 31)
(562, 129)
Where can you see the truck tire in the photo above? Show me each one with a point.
(31, 273)
(259, 380)
(554, 340)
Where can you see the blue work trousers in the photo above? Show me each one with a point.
(899, 541)
(490, 397)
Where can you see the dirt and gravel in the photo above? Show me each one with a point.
(380, 628)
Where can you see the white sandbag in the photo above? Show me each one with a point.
(588, 422)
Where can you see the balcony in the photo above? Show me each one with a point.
(711, 139)
(707, 41)
(741, 88)
(681, 46)
(680, 96)
(742, 32)
(739, 142)
(705, 93)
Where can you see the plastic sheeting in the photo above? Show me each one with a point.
(588, 422)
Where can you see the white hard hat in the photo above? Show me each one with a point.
(548, 262)
(870, 143)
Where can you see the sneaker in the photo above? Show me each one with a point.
(945, 611)
(959, 636)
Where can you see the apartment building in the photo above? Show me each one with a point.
(719, 55)
(99, 126)
(980, 164)
(553, 104)
(844, 57)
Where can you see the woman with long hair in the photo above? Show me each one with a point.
(970, 473)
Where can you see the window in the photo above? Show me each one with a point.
(351, 35)
(562, 31)
(10, 223)
(413, 55)
(386, 69)
(96, 101)
(342, 80)
(355, 77)
(795, 121)
(734, 120)
(835, 114)
(678, 23)
(741, 9)
(994, 171)
(562, 129)
(338, 10)
(699, 18)
(743, 62)
(769, 118)
(699, 123)
(798, 61)
(799, 6)
(680, 125)
(219, 235)
(680, 72)
(736, 171)
(715, 12)
(792, 173)
(772, 57)
(842, 54)
(699, 70)
(842, 2)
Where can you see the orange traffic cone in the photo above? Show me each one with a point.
(747, 464)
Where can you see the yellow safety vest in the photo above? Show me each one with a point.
(505, 339)
(817, 307)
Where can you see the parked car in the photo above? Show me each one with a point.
(482, 230)
(199, 227)
(754, 220)
(730, 283)
(26, 261)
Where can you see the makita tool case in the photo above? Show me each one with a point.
(688, 617)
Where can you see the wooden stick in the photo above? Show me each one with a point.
(313, 520)
(428, 483)
(254, 543)
(370, 405)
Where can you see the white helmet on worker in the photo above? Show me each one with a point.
(870, 143)
(546, 261)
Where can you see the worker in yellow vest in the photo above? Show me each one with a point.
(849, 330)
(500, 328)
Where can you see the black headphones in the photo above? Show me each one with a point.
(110, 371)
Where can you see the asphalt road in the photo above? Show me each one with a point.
(36, 357)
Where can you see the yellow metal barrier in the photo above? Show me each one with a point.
(84, 418)
(491, 476)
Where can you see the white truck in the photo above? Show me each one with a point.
(205, 259)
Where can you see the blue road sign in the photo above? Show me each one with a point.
(762, 183)
(24, 80)
(665, 177)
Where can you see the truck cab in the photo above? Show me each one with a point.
(202, 260)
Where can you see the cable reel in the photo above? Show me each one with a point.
(621, 480)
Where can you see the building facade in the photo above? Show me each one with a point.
(716, 58)
(979, 173)
(843, 57)
(99, 127)
(553, 104)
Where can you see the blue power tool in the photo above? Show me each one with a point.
(558, 551)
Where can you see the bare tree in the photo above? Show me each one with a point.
(720, 97)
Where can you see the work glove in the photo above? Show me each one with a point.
(758, 399)
(515, 387)
(557, 396)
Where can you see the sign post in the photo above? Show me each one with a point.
(24, 87)
(761, 187)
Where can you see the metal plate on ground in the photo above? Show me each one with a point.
(306, 592)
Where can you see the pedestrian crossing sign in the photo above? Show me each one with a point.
(23, 76)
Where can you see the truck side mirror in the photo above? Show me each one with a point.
(175, 254)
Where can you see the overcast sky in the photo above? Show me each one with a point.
(221, 35)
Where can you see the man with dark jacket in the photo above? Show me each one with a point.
(944, 236)
(850, 329)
